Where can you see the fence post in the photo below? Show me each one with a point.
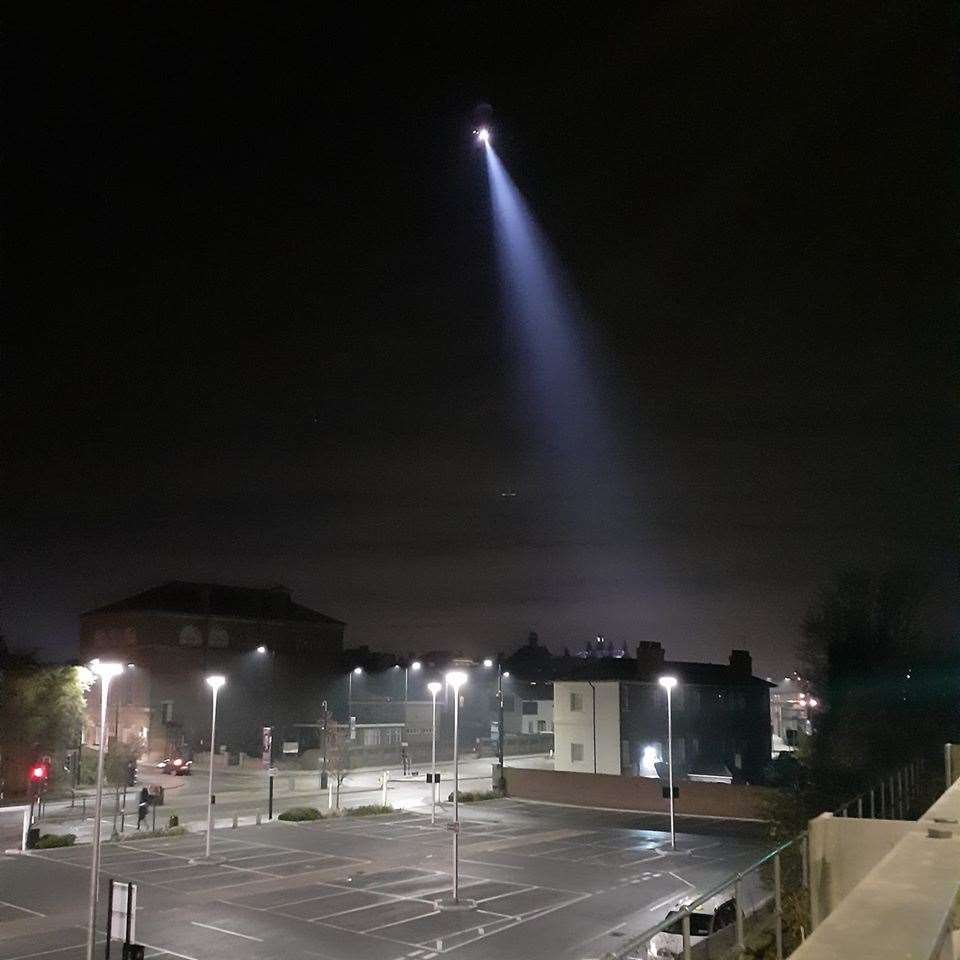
(873, 814)
(900, 792)
(947, 765)
(738, 896)
(893, 801)
(685, 926)
(860, 807)
(804, 861)
(778, 904)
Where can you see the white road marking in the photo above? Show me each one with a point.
(499, 866)
(210, 926)
(167, 950)
(43, 953)
(24, 909)
(671, 899)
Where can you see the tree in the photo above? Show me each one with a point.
(338, 754)
(41, 712)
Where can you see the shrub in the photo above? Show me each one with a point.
(368, 810)
(174, 821)
(148, 834)
(297, 814)
(49, 840)
(472, 796)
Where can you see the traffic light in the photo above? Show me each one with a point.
(38, 773)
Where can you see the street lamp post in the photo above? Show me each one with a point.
(215, 682)
(106, 672)
(501, 676)
(415, 666)
(356, 671)
(434, 687)
(668, 683)
(456, 679)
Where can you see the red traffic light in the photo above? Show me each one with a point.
(38, 772)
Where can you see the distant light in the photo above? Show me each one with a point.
(130, 666)
(456, 679)
(396, 666)
(506, 673)
(178, 762)
(812, 702)
(37, 773)
(668, 683)
(650, 754)
(358, 670)
(416, 665)
(434, 686)
(261, 649)
(483, 135)
(216, 681)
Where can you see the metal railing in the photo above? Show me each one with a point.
(890, 798)
(637, 948)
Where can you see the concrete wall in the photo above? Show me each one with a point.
(577, 726)
(842, 852)
(636, 793)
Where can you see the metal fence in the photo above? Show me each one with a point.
(770, 897)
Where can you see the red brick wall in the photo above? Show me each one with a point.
(636, 793)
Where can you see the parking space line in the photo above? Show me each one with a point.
(210, 926)
(433, 911)
(43, 953)
(167, 950)
(24, 909)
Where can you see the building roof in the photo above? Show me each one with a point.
(626, 669)
(217, 600)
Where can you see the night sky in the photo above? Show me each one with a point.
(262, 338)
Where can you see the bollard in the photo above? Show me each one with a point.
(259, 818)
(386, 777)
(860, 807)
(329, 794)
(236, 821)
(873, 814)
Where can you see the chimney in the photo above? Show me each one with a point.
(741, 664)
(649, 657)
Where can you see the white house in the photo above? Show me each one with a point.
(586, 726)
(536, 716)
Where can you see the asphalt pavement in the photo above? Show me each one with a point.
(544, 882)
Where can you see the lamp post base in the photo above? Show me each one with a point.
(462, 903)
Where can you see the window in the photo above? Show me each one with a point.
(576, 752)
(541, 726)
(190, 637)
(576, 704)
(166, 711)
(530, 708)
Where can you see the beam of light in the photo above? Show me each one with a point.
(483, 135)
(558, 378)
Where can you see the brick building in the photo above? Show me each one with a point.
(280, 659)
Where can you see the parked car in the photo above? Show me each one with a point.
(175, 765)
(710, 916)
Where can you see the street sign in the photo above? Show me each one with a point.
(266, 751)
(454, 827)
(123, 912)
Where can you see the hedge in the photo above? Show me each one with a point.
(297, 814)
(49, 840)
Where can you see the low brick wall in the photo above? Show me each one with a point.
(636, 793)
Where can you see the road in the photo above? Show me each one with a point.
(547, 882)
(243, 793)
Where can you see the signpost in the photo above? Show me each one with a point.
(122, 919)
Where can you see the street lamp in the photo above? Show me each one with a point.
(456, 679)
(214, 682)
(501, 676)
(434, 686)
(261, 649)
(668, 683)
(106, 672)
(356, 671)
(415, 666)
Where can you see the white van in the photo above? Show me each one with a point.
(712, 915)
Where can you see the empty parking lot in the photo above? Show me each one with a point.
(546, 881)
